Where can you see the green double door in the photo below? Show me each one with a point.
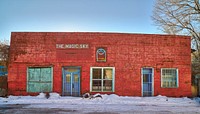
(39, 79)
(71, 81)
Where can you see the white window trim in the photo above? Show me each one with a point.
(152, 80)
(113, 79)
(176, 76)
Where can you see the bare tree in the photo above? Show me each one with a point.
(180, 17)
(4, 53)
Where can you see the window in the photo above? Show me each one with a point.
(101, 54)
(102, 79)
(3, 71)
(39, 79)
(169, 77)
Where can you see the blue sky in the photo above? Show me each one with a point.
(129, 16)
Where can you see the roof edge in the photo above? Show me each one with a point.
(102, 33)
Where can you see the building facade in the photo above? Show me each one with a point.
(73, 63)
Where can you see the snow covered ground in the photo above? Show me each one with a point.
(109, 103)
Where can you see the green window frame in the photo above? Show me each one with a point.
(169, 78)
(39, 79)
(102, 79)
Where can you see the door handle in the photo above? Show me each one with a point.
(73, 85)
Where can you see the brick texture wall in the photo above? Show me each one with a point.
(128, 53)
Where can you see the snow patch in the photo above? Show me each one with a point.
(107, 102)
(113, 96)
(41, 95)
(54, 96)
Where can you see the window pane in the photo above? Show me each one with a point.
(107, 85)
(71, 69)
(76, 78)
(107, 73)
(68, 78)
(96, 73)
(147, 87)
(96, 85)
(147, 70)
(169, 78)
(147, 78)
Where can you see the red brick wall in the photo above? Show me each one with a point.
(128, 53)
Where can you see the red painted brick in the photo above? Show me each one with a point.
(128, 53)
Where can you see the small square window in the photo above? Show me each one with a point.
(169, 78)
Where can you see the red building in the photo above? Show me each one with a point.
(73, 63)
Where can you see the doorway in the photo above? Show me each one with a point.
(198, 87)
(147, 82)
(71, 81)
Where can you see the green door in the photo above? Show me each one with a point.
(39, 79)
